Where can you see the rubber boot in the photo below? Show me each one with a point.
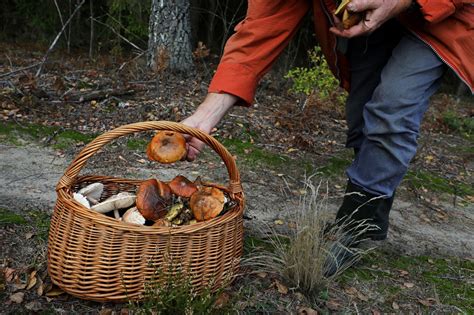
(381, 220)
(358, 207)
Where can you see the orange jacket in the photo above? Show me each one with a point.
(447, 26)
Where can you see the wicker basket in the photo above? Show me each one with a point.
(95, 257)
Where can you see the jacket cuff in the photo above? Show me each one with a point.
(235, 79)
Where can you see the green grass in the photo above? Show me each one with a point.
(434, 182)
(463, 125)
(253, 156)
(137, 144)
(446, 278)
(57, 137)
(40, 220)
(335, 166)
(8, 217)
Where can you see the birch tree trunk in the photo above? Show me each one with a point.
(169, 43)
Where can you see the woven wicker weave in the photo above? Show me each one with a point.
(95, 257)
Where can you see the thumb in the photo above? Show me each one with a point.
(362, 5)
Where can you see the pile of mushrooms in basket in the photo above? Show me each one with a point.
(158, 203)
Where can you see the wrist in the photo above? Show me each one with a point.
(214, 108)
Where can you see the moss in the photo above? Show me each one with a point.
(437, 183)
(463, 125)
(253, 155)
(59, 138)
(8, 217)
(335, 166)
(449, 278)
(137, 144)
(253, 243)
(40, 221)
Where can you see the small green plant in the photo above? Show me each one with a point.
(171, 292)
(317, 80)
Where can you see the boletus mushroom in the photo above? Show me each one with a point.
(207, 203)
(167, 147)
(348, 18)
(153, 198)
(183, 187)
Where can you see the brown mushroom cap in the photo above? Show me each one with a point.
(167, 147)
(153, 199)
(183, 187)
(207, 203)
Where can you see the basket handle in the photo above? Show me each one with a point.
(95, 145)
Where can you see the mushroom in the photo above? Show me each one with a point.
(167, 147)
(92, 192)
(183, 187)
(207, 203)
(134, 216)
(120, 201)
(174, 211)
(349, 19)
(81, 199)
(153, 198)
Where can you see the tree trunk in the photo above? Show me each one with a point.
(169, 43)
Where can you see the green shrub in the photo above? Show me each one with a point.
(171, 292)
(317, 80)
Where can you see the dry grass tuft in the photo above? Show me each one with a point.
(300, 257)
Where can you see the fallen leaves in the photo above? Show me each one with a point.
(283, 289)
(427, 302)
(408, 285)
(307, 311)
(17, 297)
(395, 306)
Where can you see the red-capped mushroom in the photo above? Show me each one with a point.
(167, 147)
(207, 203)
(183, 187)
(153, 198)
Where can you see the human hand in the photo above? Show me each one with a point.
(205, 118)
(377, 12)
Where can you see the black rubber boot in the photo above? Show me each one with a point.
(381, 220)
(358, 207)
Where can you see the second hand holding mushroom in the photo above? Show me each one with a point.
(377, 12)
(207, 116)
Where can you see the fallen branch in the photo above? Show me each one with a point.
(58, 36)
(97, 95)
(19, 70)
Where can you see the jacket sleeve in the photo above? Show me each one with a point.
(435, 11)
(258, 41)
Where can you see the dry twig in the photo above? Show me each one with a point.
(57, 37)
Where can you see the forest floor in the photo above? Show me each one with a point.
(425, 266)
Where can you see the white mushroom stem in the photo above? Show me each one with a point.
(116, 214)
(119, 201)
(92, 200)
